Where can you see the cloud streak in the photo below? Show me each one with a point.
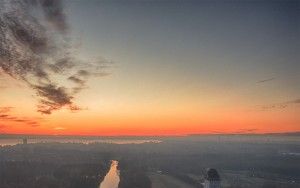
(246, 131)
(5, 115)
(281, 105)
(35, 49)
(265, 80)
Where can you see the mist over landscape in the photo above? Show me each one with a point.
(241, 160)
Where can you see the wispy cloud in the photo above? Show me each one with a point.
(37, 51)
(246, 131)
(6, 115)
(5, 109)
(281, 105)
(265, 80)
(59, 128)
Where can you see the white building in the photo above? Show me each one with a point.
(212, 179)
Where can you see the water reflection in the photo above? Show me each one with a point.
(112, 179)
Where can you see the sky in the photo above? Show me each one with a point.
(149, 67)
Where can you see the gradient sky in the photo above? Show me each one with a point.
(179, 67)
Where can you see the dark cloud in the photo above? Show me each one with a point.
(6, 116)
(83, 73)
(281, 105)
(81, 76)
(3, 116)
(265, 80)
(61, 65)
(77, 80)
(52, 98)
(296, 101)
(35, 49)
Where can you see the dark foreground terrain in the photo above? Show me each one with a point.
(51, 166)
(181, 161)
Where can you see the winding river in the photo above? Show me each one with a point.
(111, 179)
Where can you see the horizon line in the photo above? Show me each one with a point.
(158, 135)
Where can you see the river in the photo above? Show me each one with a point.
(111, 179)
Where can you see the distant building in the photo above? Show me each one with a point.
(212, 179)
(24, 141)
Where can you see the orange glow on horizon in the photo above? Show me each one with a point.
(164, 116)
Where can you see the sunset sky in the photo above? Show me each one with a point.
(167, 68)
